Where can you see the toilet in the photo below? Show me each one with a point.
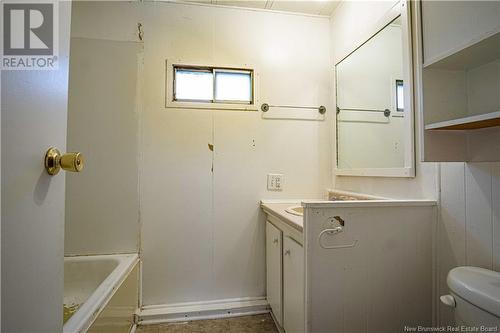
(475, 297)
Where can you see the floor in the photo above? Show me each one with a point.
(248, 324)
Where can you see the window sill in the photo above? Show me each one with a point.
(211, 106)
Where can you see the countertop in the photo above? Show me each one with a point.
(277, 209)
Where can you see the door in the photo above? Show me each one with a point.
(293, 286)
(274, 271)
(34, 111)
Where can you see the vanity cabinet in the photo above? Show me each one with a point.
(293, 286)
(357, 265)
(285, 275)
(274, 259)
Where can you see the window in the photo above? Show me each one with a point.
(400, 96)
(193, 85)
(233, 86)
(213, 85)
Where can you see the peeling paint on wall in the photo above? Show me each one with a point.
(140, 32)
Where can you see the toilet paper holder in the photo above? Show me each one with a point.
(334, 231)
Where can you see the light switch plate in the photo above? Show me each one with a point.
(274, 182)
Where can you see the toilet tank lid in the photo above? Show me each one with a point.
(478, 286)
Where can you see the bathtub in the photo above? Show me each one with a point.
(100, 293)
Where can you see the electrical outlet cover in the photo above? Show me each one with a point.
(275, 182)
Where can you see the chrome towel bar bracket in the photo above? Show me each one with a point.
(386, 112)
(265, 107)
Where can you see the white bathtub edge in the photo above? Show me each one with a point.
(90, 310)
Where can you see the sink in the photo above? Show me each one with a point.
(347, 198)
(299, 210)
(295, 210)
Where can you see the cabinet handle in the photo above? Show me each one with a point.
(287, 252)
(275, 241)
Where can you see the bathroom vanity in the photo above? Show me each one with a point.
(362, 264)
(285, 265)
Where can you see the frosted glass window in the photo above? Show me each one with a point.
(194, 85)
(233, 86)
(400, 106)
(212, 85)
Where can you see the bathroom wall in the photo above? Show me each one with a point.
(202, 229)
(352, 23)
(469, 226)
(102, 201)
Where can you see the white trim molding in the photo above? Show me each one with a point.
(408, 172)
(252, 9)
(235, 307)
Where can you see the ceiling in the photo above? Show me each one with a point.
(314, 7)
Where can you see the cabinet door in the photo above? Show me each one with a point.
(274, 271)
(293, 286)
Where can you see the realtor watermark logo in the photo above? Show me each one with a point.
(29, 34)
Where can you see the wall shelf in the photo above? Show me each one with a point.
(467, 123)
(457, 56)
(476, 52)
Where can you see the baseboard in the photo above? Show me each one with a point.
(280, 329)
(155, 314)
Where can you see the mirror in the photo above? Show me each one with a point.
(374, 108)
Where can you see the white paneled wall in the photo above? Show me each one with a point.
(203, 231)
(103, 125)
(202, 235)
(469, 226)
(102, 202)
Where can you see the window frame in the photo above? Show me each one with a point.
(171, 102)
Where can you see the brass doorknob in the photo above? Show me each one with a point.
(54, 161)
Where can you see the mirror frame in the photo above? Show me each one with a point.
(402, 9)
